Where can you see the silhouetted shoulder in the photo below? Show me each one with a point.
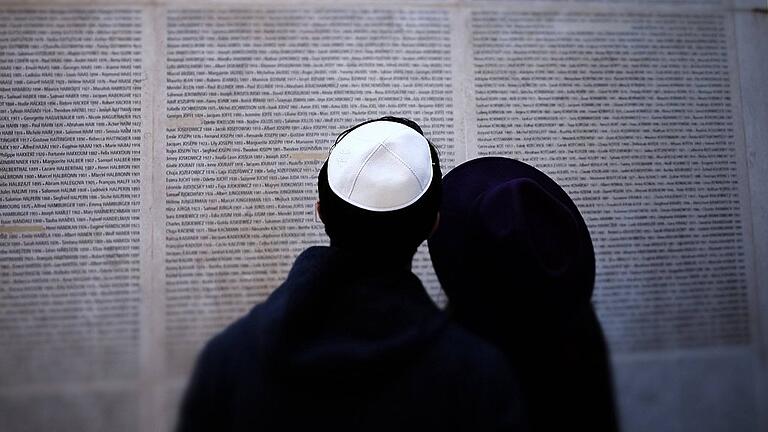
(462, 362)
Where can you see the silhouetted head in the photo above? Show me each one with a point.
(515, 259)
(511, 244)
(380, 188)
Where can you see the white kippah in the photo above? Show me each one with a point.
(380, 166)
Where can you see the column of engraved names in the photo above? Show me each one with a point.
(255, 99)
(71, 131)
(632, 114)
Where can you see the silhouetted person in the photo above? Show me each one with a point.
(515, 259)
(351, 341)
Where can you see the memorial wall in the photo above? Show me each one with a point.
(158, 165)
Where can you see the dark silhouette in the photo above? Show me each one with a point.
(351, 341)
(515, 259)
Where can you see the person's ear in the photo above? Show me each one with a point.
(434, 227)
(318, 212)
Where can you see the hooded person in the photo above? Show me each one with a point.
(515, 259)
(351, 341)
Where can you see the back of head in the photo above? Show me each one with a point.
(380, 188)
(511, 241)
(515, 258)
